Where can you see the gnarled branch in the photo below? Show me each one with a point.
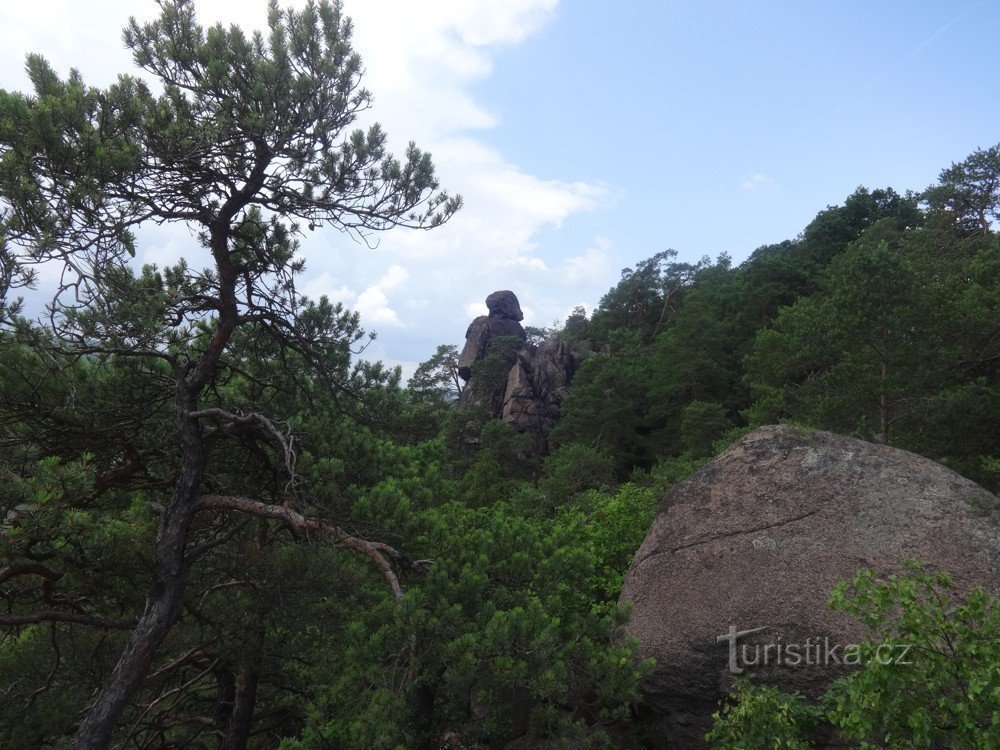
(283, 437)
(379, 552)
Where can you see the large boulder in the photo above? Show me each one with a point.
(755, 541)
(504, 304)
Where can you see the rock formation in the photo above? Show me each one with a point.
(504, 320)
(538, 381)
(504, 304)
(758, 538)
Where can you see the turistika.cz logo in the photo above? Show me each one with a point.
(813, 652)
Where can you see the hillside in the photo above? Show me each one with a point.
(222, 528)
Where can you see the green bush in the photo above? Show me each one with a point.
(947, 693)
(761, 717)
(929, 674)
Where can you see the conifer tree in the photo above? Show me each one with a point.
(249, 143)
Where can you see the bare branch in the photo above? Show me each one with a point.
(226, 585)
(179, 690)
(378, 552)
(284, 438)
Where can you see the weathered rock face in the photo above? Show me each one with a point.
(538, 383)
(504, 304)
(503, 320)
(758, 538)
(478, 336)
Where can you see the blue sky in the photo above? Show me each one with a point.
(728, 125)
(586, 135)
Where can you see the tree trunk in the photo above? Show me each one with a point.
(883, 407)
(165, 597)
(224, 705)
(238, 729)
(163, 605)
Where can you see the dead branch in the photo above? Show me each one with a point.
(202, 549)
(283, 437)
(191, 655)
(177, 691)
(378, 552)
(227, 585)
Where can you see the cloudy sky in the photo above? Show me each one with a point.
(586, 135)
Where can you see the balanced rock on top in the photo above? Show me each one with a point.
(504, 304)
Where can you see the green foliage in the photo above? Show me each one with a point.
(506, 634)
(643, 301)
(929, 674)
(890, 348)
(571, 469)
(608, 406)
(968, 192)
(836, 227)
(617, 522)
(500, 465)
(539, 637)
(702, 424)
(854, 357)
(43, 692)
(436, 380)
(946, 691)
(761, 717)
(576, 327)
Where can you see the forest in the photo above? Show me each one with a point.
(221, 528)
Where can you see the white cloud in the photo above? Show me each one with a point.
(526, 262)
(758, 181)
(592, 267)
(325, 284)
(393, 278)
(373, 302)
(374, 308)
(420, 57)
(475, 309)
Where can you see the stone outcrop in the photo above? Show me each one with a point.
(504, 320)
(538, 383)
(755, 541)
(504, 304)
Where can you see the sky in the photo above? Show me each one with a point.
(587, 135)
